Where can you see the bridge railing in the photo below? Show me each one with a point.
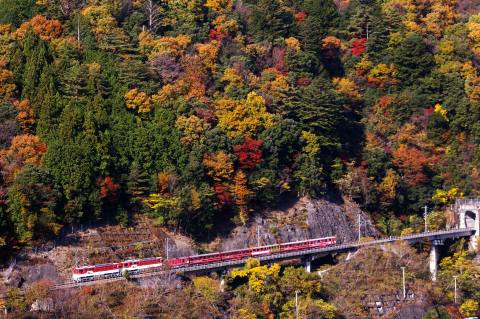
(342, 247)
(467, 201)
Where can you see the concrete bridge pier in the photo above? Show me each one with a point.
(308, 263)
(434, 258)
(222, 275)
(222, 284)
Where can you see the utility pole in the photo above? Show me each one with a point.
(166, 248)
(455, 285)
(296, 304)
(258, 235)
(78, 27)
(425, 212)
(359, 226)
(403, 281)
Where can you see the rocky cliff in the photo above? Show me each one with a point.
(304, 219)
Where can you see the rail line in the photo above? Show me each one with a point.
(438, 235)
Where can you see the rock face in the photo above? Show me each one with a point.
(305, 219)
(42, 305)
(27, 272)
(412, 312)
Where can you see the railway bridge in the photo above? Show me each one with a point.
(467, 225)
(307, 256)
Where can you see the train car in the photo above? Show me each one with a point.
(251, 252)
(308, 244)
(88, 273)
(178, 262)
(139, 265)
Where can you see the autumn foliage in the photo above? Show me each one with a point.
(25, 115)
(47, 29)
(138, 101)
(108, 188)
(24, 149)
(358, 46)
(202, 113)
(249, 153)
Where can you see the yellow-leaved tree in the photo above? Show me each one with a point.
(347, 87)
(7, 85)
(220, 166)
(257, 274)
(312, 144)
(242, 194)
(447, 196)
(193, 129)
(219, 5)
(241, 118)
(388, 186)
(469, 308)
(473, 27)
(138, 101)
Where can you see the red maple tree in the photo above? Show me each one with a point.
(249, 153)
(358, 46)
(217, 34)
(108, 188)
(223, 194)
(300, 16)
(412, 163)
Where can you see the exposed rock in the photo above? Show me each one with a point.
(306, 219)
(412, 312)
(34, 273)
(179, 245)
(44, 305)
(14, 279)
(29, 271)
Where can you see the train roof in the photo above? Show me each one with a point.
(266, 246)
(96, 265)
(114, 264)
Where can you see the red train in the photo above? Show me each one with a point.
(252, 252)
(87, 273)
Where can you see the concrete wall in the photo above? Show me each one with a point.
(468, 211)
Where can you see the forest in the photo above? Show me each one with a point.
(201, 112)
(198, 113)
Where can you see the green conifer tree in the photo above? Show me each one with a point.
(270, 20)
(322, 17)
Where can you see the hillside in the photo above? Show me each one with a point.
(98, 244)
(204, 116)
(200, 114)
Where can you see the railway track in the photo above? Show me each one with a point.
(203, 268)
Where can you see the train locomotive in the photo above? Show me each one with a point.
(133, 266)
